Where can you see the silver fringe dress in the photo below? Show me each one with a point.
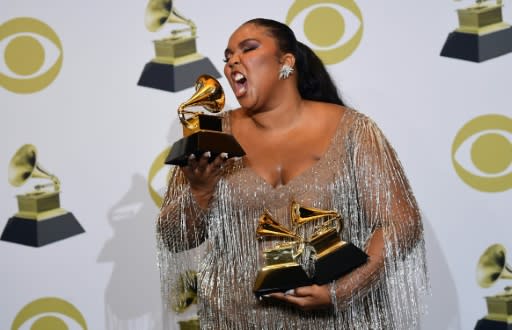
(361, 178)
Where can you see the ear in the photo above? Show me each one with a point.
(289, 59)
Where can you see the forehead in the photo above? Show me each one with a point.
(250, 31)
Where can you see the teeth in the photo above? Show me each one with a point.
(238, 76)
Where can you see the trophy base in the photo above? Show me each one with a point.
(338, 263)
(172, 77)
(485, 324)
(201, 142)
(478, 48)
(280, 278)
(41, 232)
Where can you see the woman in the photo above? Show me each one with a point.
(302, 145)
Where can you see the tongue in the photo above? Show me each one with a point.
(240, 88)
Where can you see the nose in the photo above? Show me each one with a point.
(233, 60)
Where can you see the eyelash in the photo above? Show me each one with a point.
(244, 50)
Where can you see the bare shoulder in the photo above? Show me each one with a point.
(325, 112)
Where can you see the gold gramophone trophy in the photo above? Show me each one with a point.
(481, 34)
(332, 257)
(40, 219)
(491, 267)
(177, 61)
(203, 132)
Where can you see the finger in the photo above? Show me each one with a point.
(192, 161)
(219, 161)
(203, 161)
(303, 291)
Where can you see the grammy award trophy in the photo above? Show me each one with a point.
(481, 34)
(203, 132)
(40, 219)
(177, 61)
(332, 257)
(491, 267)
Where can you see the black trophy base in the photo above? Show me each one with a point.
(172, 78)
(280, 278)
(485, 324)
(327, 269)
(338, 263)
(41, 232)
(475, 48)
(201, 142)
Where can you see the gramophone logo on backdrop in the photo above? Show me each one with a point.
(482, 153)
(481, 35)
(40, 219)
(49, 313)
(32, 55)
(176, 63)
(333, 28)
(492, 266)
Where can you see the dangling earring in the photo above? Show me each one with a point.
(285, 71)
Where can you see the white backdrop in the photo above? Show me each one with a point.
(100, 134)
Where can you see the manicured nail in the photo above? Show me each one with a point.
(290, 292)
(192, 156)
(207, 154)
(224, 155)
(266, 296)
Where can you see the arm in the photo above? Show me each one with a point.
(385, 205)
(181, 224)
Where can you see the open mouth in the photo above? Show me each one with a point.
(240, 84)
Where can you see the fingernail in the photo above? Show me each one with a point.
(289, 292)
(224, 155)
(207, 154)
(266, 296)
(192, 156)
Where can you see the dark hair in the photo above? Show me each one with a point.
(314, 82)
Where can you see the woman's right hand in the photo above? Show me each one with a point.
(204, 175)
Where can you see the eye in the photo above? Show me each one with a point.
(482, 153)
(32, 55)
(332, 29)
(158, 177)
(49, 313)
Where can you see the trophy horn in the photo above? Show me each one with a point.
(24, 165)
(209, 94)
(267, 226)
(159, 12)
(492, 266)
(301, 214)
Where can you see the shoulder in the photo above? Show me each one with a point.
(324, 111)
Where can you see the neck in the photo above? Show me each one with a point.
(282, 116)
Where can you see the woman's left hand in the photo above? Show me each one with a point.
(306, 298)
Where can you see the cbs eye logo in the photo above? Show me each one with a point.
(49, 313)
(158, 173)
(482, 153)
(32, 55)
(332, 28)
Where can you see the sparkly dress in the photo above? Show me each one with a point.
(359, 177)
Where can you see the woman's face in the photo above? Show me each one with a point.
(252, 65)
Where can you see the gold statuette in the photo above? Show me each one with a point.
(203, 132)
(176, 60)
(481, 34)
(332, 256)
(40, 219)
(491, 267)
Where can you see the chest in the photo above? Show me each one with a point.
(280, 159)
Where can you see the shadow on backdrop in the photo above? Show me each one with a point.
(443, 304)
(132, 296)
